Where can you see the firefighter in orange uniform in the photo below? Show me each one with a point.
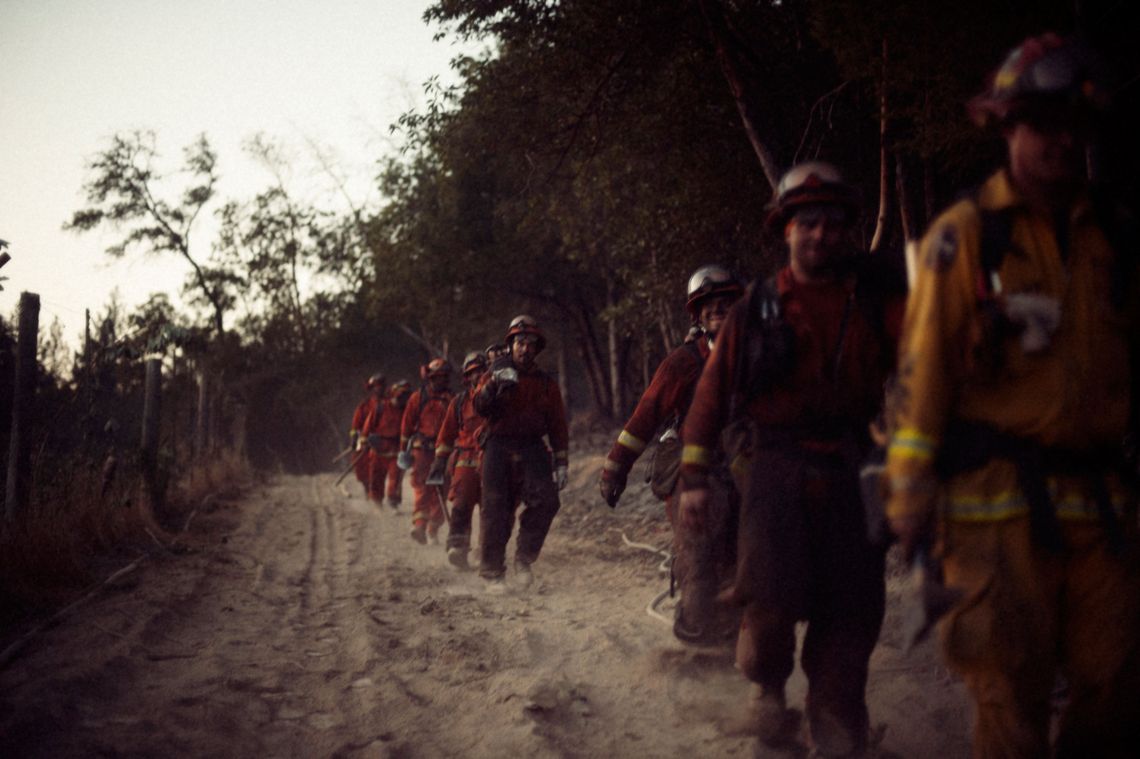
(522, 405)
(362, 456)
(798, 374)
(419, 428)
(1017, 386)
(699, 560)
(382, 430)
(460, 434)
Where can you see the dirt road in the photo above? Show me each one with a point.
(304, 623)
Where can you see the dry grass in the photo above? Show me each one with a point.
(219, 472)
(76, 527)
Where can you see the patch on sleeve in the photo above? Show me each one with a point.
(943, 249)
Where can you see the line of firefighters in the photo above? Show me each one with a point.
(1011, 374)
(485, 446)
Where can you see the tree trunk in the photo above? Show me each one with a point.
(615, 373)
(563, 381)
(903, 193)
(884, 161)
(589, 350)
(715, 24)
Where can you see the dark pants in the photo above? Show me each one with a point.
(515, 470)
(704, 565)
(844, 605)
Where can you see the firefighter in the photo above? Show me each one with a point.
(522, 405)
(460, 432)
(795, 379)
(1016, 385)
(382, 431)
(419, 427)
(700, 560)
(496, 350)
(358, 438)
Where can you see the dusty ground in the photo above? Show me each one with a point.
(304, 623)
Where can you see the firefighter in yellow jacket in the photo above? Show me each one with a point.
(1015, 393)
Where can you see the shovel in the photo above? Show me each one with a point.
(925, 600)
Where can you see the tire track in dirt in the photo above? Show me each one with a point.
(309, 624)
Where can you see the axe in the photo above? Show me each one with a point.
(351, 466)
(435, 480)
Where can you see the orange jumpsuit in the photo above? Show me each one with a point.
(800, 502)
(1036, 600)
(421, 423)
(384, 477)
(362, 458)
(701, 562)
(460, 433)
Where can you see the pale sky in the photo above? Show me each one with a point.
(74, 72)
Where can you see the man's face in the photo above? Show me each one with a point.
(472, 376)
(439, 382)
(377, 390)
(713, 312)
(816, 238)
(524, 348)
(1046, 149)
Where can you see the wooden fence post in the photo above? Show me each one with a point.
(23, 401)
(152, 415)
(202, 421)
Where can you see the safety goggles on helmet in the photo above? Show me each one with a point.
(438, 367)
(474, 362)
(524, 325)
(1041, 79)
(707, 282)
(808, 184)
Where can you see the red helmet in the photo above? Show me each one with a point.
(811, 183)
(707, 282)
(376, 380)
(401, 387)
(437, 367)
(474, 361)
(1042, 70)
(525, 325)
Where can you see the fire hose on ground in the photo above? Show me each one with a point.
(664, 567)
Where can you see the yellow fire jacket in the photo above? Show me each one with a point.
(1064, 385)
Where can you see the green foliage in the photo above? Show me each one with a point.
(123, 192)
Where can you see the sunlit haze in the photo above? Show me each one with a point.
(328, 76)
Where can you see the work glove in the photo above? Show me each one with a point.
(359, 442)
(436, 472)
(1037, 315)
(612, 485)
(561, 476)
(503, 372)
(404, 460)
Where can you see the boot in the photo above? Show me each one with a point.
(457, 557)
(523, 576)
(829, 736)
(769, 711)
(418, 534)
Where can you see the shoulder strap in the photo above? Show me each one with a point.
(993, 244)
(460, 399)
(762, 303)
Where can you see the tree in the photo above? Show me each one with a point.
(123, 192)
